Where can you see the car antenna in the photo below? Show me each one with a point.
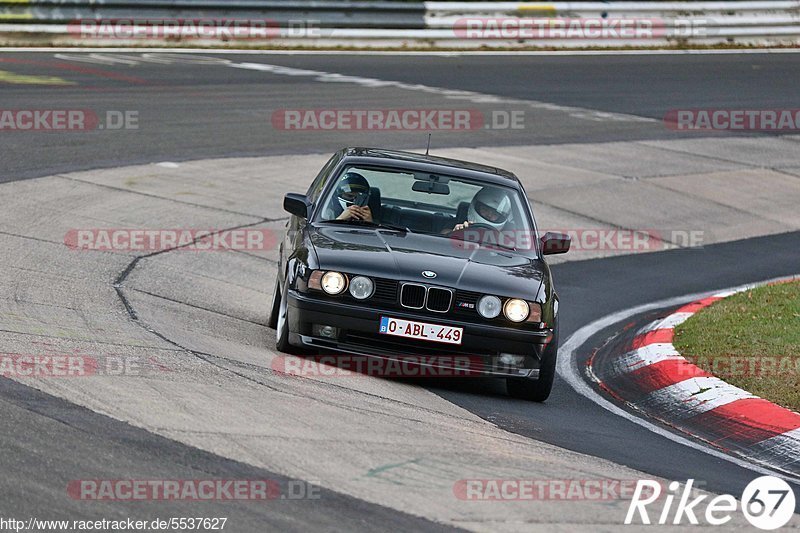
(429, 144)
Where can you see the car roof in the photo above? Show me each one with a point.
(411, 160)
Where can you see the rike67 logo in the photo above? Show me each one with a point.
(767, 503)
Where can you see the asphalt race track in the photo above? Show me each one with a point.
(212, 106)
(227, 111)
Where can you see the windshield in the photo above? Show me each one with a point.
(433, 204)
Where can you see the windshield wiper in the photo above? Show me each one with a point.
(396, 227)
(367, 223)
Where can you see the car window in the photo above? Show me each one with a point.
(396, 185)
(425, 203)
(319, 182)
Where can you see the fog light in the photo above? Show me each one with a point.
(511, 359)
(328, 332)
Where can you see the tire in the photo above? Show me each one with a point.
(272, 321)
(537, 390)
(282, 342)
(281, 314)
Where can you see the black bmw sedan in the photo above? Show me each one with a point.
(397, 256)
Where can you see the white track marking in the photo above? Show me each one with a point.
(670, 322)
(568, 371)
(783, 447)
(725, 294)
(645, 356)
(674, 320)
(441, 53)
(652, 326)
(332, 77)
(692, 397)
(134, 60)
(455, 94)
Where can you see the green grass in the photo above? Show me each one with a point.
(751, 340)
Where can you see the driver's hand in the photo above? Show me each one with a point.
(355, 212)
(363, 213)
(459, 227)
(347, 214)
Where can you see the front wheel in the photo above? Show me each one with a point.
(279, 319)
(272, 321)
(537, 390)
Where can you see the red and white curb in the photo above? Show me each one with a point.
(652, 377)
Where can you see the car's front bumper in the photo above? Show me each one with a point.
(358, 334)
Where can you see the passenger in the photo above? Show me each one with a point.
(489, 207)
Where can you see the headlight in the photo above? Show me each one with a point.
(333, 282)
(489, 306)
(361, 288)
(516, 310)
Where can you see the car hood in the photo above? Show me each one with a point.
(404, 256)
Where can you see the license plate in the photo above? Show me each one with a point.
(420, 330)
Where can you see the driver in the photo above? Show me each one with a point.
(349, 201)
(489, 207)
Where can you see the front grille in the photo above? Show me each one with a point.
(466, 301)
(434, 299)
(385, 290)
(412, 296)
(439, 300)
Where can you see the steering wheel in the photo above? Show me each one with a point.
(475, 225)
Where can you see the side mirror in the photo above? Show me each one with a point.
(296, 204)
(555, 243)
